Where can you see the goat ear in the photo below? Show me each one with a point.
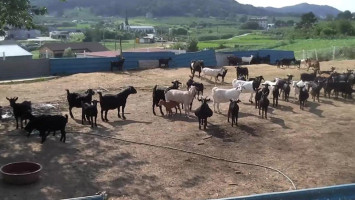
(8, 99)
(15, 98)
(231, 100)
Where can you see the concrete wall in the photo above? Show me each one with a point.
(10, 69)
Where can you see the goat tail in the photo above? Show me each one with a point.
(66, 116)
(67, 91)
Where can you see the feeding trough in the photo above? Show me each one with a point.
(20, 173)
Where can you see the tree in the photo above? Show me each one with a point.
(18, 14)
(251, 26)
(345, 15)
(307, 21)
(68, 52)
(192, 45)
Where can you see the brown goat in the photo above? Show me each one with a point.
(169, 105)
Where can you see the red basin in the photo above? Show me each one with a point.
(21, 172)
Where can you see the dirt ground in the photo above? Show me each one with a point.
(314, 147)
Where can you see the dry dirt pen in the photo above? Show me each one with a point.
(314, 147)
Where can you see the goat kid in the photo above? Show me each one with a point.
(21, 110)
(233, 111)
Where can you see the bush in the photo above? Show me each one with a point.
(227, 36)
(179, 45)
(208, 37)
(251, 26)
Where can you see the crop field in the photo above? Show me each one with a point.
(314, 147)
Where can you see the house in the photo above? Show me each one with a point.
(14, 52)
(262, 21)
(22, 34)
(142, 29)
(62, 35)
(56, 50)
(149, 38)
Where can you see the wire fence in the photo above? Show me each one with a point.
(326, 54)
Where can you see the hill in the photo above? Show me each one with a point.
(159, 8)
(318, 10)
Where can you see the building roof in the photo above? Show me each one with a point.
(12, 50)
(90, 46)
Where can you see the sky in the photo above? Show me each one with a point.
(341, 5)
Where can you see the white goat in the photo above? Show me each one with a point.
(297, 84)
(212, 72)
(246, 86)
(184, 97)
(224, 95)
(247, 59)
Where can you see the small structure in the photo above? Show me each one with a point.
(56, 50)
(62, 35)
(14, 52)
(262, 21)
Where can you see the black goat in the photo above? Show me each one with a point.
(316, 87)
(257, 97)
(165, 62)
(303, 96)
(281, 82)
(203, 112)
(118, 64)
(234, 111)
(242, 71)
(275, 96)
(196, 66)
(263, 105)
(89, 112)
(159, 93)
(242, 78)
(21, 110)
(75, 99)
(286, 90)
(308, 77)
(223, 75)
(234, 60)
(113, 101)
(44, 123)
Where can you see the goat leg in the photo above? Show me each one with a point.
(106, 115)
(102, 115)
(118, 112)
(71, 114)
(199, 123)
(153, 108)
(205, 123)
(123, 117)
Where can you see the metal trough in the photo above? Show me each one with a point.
(337, 192)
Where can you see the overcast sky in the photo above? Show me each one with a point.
(341, 5)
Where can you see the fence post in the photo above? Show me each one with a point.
(315, 50)
(333, 52)
(303, 55)
(3, 56)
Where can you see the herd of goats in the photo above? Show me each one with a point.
(171, 97)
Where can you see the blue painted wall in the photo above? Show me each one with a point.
(80, 65)
(274, 54)
(132, 58)
(184, 60)
(338, 192)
